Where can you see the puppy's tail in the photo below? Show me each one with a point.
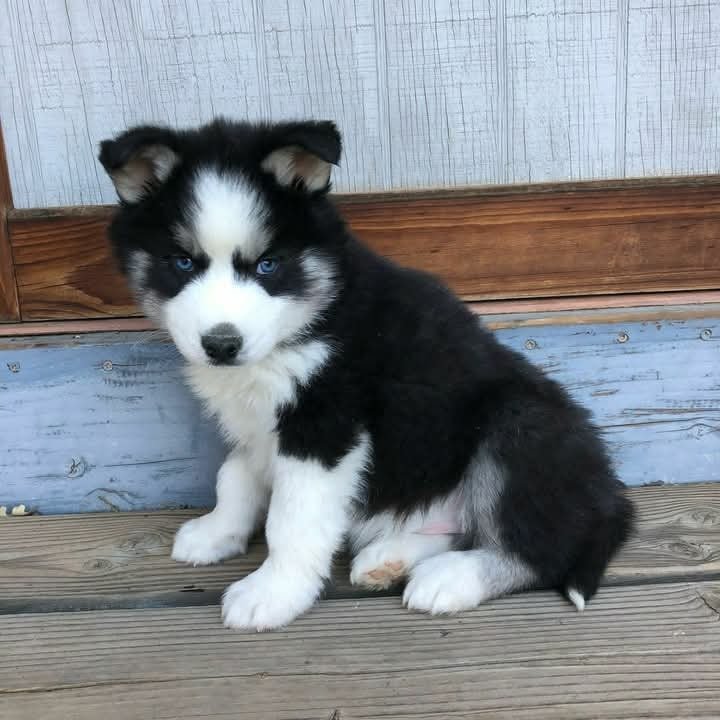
(603, 542)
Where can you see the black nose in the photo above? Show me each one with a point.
(222, 343)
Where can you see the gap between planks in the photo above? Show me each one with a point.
(122, 560)
(638, 652)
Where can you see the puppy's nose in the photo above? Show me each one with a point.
(222, 343)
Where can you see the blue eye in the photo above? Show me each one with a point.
(267, 266)
(184, 263)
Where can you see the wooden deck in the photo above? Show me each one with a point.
(99, 623)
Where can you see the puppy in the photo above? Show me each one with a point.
(363, 402)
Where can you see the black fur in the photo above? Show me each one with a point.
(411, 365)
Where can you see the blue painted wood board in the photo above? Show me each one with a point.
(106, 423)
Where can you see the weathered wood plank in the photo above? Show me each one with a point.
(105, 423)
(498, 314)
(541, 245)
(122, 560)
(673, 82)
(9, 305)
(650, 651)
(103, 426)
(65, 270)
(445, 71)
(563, 66)
(485, 243)
(428, 94)
(320, 60)
(634, 377)
(73, 75)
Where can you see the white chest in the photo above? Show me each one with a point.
(246, 399)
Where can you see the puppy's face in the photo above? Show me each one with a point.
(219, 233)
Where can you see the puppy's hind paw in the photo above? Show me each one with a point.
(374, 567)
(444, 584)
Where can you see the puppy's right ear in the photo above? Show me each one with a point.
(140, 160)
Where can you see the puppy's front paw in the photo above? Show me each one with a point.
(266, 599)
(206, 540)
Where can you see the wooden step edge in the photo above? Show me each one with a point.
(498, 314)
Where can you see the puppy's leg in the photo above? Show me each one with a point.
(386, 561)
(307, 520)
(461, 580)
(224, 532)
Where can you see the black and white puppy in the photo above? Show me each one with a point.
(362, 400)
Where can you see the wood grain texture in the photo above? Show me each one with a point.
(673, 87)
(122, 560)
(444, 77)
(510, 313)
(72, 327)
(103, 426)
(9, 305)
(542, 245)
(648, 651)
(484, 243)
(561, 99)
(76, 75)
(319, 60)
(65, 270)
(427, 94)
(106, 422)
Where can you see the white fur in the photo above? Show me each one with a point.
(460, 580)
(389, 547)
(384, 562)
(308, 517)
(218, 296)
(576, 599)
(309, 504)
(386, 525)
(242, 494)
(228, 216)
(245, 399)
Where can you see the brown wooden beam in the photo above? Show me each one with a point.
(496, 243)
(64, 266)
(9, 305)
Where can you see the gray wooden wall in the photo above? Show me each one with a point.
(427, 93)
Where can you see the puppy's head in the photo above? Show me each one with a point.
(225, 233)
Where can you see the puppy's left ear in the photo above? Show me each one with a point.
(304, 155)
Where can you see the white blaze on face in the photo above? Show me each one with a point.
(228, 219)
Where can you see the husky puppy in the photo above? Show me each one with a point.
(364, 403)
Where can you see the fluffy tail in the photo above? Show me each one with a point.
(584, 577)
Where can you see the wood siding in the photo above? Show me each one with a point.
(427, 93)
(106, 423)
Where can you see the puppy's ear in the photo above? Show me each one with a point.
(303, 155)
(140, 160)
